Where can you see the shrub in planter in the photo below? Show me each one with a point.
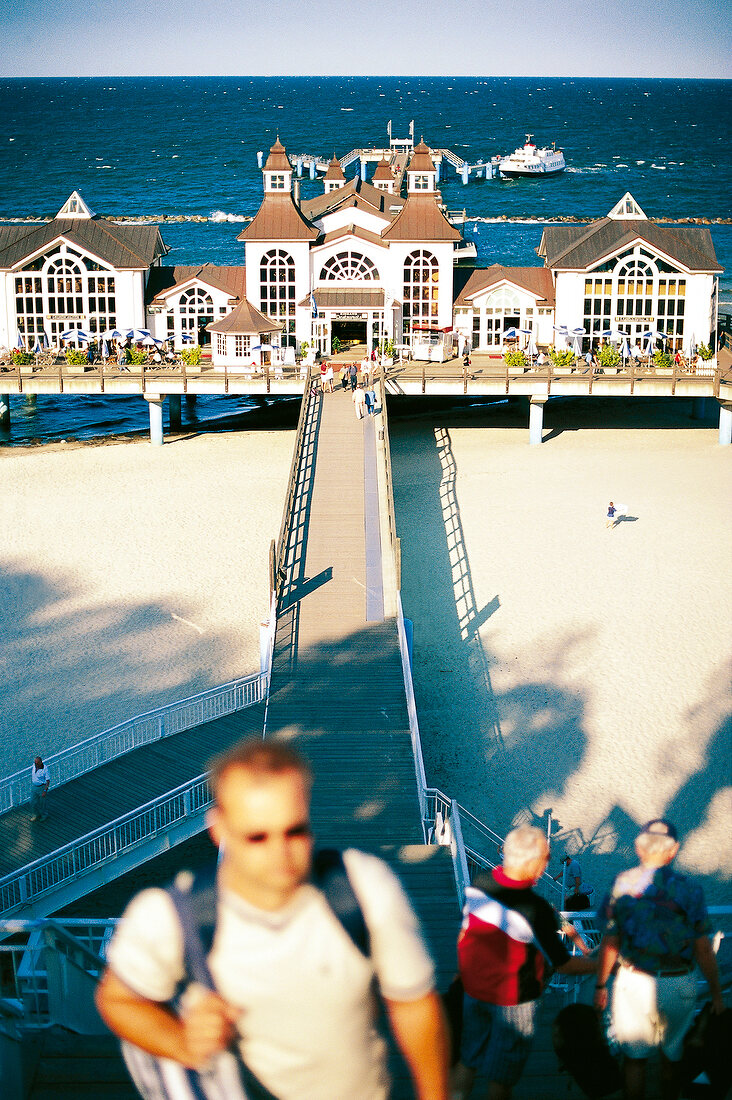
(515, 358)
(304, 345)
(561, 357)
(662, 360)
(191, 356)
(136, 356)
(608, 356)
(23, 357)
(336, 345)
(705, 352)
(75, 355)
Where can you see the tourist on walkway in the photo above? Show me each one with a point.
(371, 401)
(509, 938)
(577, 893)
(344, 377)
(611, 518)
(353, 375)
(329, 378)
(40, 782)
(359, 401)
(656, 929)
(293, 988)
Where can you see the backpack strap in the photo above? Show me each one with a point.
(329, 874)
(195, 907)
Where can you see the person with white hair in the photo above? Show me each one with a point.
(656, 930)
(508, 944)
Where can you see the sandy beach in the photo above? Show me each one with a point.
(133, 576)
(560, 665)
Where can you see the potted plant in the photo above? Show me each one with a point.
(192, 358)
(515, 358)
(609, 358)
(336, 345)
(705, 352)
(662, 362)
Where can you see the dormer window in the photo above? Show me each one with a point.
(277, 181)
(421, 182)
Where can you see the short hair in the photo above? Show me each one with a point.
(524, 845)
(262, 759)
(656, 847)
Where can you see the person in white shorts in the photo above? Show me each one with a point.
(292, 988)
(656, 929)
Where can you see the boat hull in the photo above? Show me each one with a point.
(519, 173)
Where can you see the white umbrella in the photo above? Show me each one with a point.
(263, 347)
(511, 334)
(531, 346)
(105, 350)
(37, 346)
(186, 338)
(141, 334)
(577, 342)
(19, 343)
(561, 329)
(150, 341)
(625, 350)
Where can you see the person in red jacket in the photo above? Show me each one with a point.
(508, 944)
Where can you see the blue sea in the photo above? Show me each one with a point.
(183, 151)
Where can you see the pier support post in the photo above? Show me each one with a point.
(260, 159)
(536, 419)
(191, 402)
(312, 169)
(438, 168)
(364, 168)
(155, 405)
(465, 173)
(5, 411)
(174, 411)
(299, 166)
(725, 423)
(698, 408)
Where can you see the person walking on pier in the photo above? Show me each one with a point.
(656, 929)
(359, 401)
(40, 782)
(353, 375)
(293, 995)
(508, 940)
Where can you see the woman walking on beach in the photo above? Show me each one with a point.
(611, 514)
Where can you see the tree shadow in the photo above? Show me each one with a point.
(70, 672)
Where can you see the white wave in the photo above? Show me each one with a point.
(660, 167)
(640, 162)
(346, 108)
(222, 216)
(101, 167)
(622, 165)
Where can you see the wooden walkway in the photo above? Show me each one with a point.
(337, 689)
(101, 796)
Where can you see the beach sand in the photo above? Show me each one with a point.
(133, 576)
(560, 665)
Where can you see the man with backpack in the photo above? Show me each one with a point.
(283, 985)
(656, 929)
(508, 943)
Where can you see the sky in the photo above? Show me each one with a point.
(669, 38)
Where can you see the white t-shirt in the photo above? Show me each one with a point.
(40, 776)
(304, 989)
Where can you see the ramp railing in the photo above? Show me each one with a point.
(164, 721)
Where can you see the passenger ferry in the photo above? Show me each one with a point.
(530, 161)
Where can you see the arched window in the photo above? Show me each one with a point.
(421, 288)
(196, 310)
(277, 291)
(348, 266)
(61, 291)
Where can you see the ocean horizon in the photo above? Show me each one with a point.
(182, 151)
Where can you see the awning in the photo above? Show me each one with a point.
(352, 298)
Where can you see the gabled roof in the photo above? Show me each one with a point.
(75, 207)
(278, 219)
(625, 209)
(580, 247)
(421, 219)
(536, 280)
(121, 246)
(351, 231)
(353, 297)
(355, 193)
(245, 320)
(164, 280)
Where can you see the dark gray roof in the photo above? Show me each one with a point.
(578, 247)
(121, 246)
(164, 279)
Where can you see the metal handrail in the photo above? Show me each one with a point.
(391, 510)
(23, 886)
(281, 548)
(100, 748)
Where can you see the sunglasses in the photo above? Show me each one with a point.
(301, 831)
